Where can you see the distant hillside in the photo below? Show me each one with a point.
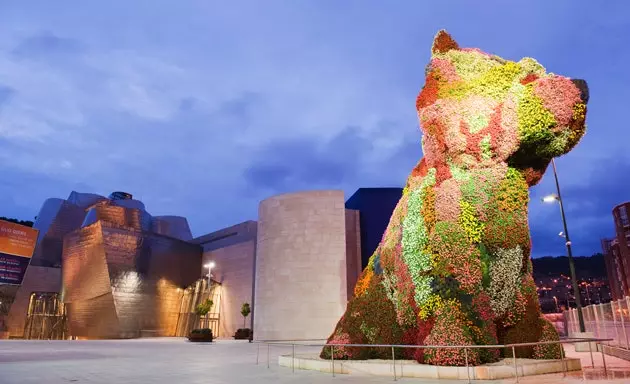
(28, 223)
(585, 266)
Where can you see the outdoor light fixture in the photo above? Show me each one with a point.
(210, 265)
(550, 198)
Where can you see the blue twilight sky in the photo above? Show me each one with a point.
(203, 108)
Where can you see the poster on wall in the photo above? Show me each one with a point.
(17, 243)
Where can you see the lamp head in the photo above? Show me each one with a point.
(550, 198)
(210, 265)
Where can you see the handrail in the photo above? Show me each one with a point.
(563, 341)
(332, 346)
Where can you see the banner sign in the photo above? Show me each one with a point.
(12, 268)
(17, 243)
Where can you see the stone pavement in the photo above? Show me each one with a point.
(174, 360)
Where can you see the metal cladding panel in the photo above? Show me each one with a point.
(46, 216)
(131, 204)
(172, 226)
(144, 272)
(84, 200)
(94, 318)
(50, 247)
(120, 216)
(84, 272)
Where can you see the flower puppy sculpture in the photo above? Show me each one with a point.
(453, 266)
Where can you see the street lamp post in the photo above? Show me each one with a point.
(576, 290)
(210, 265)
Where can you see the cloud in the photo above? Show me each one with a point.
(308, 162)
(46, 46)
(588, 208)
(5, 94)
(202, 109)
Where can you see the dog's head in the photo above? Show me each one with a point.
(477, 109)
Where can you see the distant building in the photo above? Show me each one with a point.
(617, 253)
(375, 206)
(556, 293)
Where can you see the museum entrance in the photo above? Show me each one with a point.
(46, 317)
(189, 318)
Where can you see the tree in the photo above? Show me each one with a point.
(245, 311)
(203, 308)
(27, 223)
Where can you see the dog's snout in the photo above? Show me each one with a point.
(583, 87)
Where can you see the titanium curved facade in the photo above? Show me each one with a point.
(120, 271)
(300, 283)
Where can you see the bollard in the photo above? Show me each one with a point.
(467, 370)
(564, 366)
(515, 366)
(267, 355)
(332, 358)
(394, 363)
(293, 358)
(257, 353)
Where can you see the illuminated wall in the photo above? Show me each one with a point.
(120, 270)
(301, 286)
(119, 282)
(233, 250)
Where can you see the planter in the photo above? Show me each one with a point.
(243, 334)
(201, 335)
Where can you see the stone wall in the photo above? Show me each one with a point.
(234, 270)
(301, 288)
(353, 249)
(233, 250)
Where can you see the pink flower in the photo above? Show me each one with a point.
(559, 95)
(447, 197)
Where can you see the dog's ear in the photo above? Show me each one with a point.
(443, 43)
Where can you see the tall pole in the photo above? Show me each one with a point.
(576, 289)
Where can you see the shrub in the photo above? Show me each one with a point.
(202, 335)
(243, 334)
(203, 308)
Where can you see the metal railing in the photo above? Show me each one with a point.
(610, 320)
(464, 347)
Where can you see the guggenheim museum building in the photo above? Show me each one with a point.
(104, 267)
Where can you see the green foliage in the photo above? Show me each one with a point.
(513, 192)
(203, 308)
(469, 222)
(245, 309)
(495, 81)
(486, 260)
(548, 351)
(534, 121)
(415, 240)
(27, 223)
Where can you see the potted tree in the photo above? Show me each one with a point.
(202, 334)
(244, 333)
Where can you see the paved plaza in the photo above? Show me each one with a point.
(174, 360)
